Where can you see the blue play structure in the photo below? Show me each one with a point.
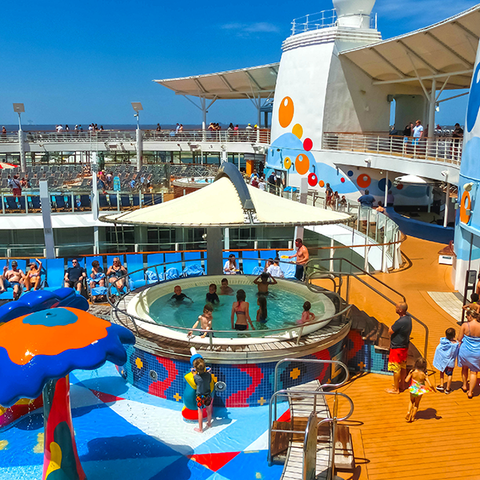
(41, 300)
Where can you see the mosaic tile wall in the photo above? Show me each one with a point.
(362, 357)
(247, 385)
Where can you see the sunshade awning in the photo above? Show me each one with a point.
(445, 51)
(219, 205)
(244, 83)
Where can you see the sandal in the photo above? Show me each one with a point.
(447, 391)
(464, 390)
(470, 396)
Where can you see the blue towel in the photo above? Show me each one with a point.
(469, 353)
(445, 354)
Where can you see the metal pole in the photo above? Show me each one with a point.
(431, 113)
(447, 206)
(139, 147)
(95, 206)
(386, 190)
(47, 219)
(21, 145)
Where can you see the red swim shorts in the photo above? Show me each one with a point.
(397, 359)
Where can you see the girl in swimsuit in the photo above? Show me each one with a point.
(262, 311)
(419, 378)
(240, 309)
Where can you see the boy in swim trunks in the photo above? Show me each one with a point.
(225, 289)
(202, 379)
(178, 296)
(205, 321)
(212, 296)
(263, 281)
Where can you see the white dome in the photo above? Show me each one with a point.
(354, 13)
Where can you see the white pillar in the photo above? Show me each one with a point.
(95, 205)
(139, 148)
(21, 144)
(386, 189)
(447, 206)
(47, 219)
(224, 156)
(299, 231)
(431, 113)
(226, 239)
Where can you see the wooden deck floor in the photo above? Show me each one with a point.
(444, 443)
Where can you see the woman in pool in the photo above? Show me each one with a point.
(240, 309)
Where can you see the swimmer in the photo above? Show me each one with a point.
(263, 281)
(225, 289)
(178, 295)
(307, 315)
(212, 296)
(202, 379)
(262, 311)
(205, 321)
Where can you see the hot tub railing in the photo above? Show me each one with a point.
(119, 305)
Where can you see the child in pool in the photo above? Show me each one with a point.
(262, 311)
(212, 296)
(225, 289)
(263, 281)
(307, 315)
(202, 378)
(419, 378)
(178, 296)
(205, 320)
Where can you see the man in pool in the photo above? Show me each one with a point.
(212, 296)
(178, 296)
(205, 320)
(225, 289)
(263, 281)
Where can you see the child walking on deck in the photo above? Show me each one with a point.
(419, 378)
(202, 380)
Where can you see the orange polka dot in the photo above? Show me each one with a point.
(302, 164)
(364, 181)
(465, 204)
(321, 183)
(285, 112)
(297, 130)
(288, 163)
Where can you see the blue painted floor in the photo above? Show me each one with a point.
(124, 433)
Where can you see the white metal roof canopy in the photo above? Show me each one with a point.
(445, 51)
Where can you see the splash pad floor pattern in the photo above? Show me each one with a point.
(122, 432)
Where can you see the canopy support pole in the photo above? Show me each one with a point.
(214, 251)
(431, 113)
(47, 220)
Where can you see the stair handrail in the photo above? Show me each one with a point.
(389, 300)
(311, 360)
(288, 393)
(343, 259)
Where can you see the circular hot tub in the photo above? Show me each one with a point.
(173, 319)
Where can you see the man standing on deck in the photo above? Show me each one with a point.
(302, 259)
(399, 341)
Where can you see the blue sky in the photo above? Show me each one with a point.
(83, 62)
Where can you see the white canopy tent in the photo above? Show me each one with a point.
(227, 202)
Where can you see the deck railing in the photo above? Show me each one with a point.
(442, 149)
(253, 135)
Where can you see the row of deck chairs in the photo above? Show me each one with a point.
(146, 269)
(80, 202)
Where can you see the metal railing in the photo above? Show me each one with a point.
(319, 20)
(312, 269)
(309, 462)
(253, 135)
(441, 149)
(119, 304)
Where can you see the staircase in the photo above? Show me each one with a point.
(312, 438)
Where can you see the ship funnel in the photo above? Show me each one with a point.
(354, 13)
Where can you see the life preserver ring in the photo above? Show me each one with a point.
(464, 216)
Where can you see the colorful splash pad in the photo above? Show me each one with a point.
(37, 352)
